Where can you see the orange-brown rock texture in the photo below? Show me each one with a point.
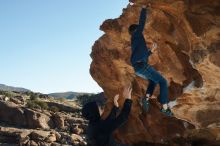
(188, 36)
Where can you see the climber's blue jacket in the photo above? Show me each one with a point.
(140, 51)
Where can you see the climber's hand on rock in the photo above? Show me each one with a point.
(148, 5)
(116, 100)
(127, 92)
(144, 6)
(131, 4)
(154, 48)
(138, 4)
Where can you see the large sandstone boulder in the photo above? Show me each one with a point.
(13, 114)
(10, 135)
(188, 36)
(58, 120)
(38, 120)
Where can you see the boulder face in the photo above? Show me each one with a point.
(22, 125)
(13, 114)
(188, 37)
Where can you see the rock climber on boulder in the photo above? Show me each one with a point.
(100, 131)
(139, 61)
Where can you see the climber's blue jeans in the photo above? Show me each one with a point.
(147, 72)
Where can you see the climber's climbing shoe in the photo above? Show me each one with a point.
(167, 112)
(145, 104)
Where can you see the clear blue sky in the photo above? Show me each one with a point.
(45, 44)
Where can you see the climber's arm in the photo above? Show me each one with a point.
(123, 116)
(112, 124)
(142, 20)
(115, 108)
(151, 88)
(113, 113)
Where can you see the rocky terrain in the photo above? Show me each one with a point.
(30, 119)
(187, 33)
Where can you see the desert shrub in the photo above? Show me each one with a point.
(7, 93)
(54, 109)
(33, 96)
(37, 104)
(32, 104)
(44, 96)
(42, 104)
(61, 99)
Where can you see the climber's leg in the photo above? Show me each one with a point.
(150, 88)
(147, 72)
(157, 78)
(163, 98)
(141, 71)
(149, 93)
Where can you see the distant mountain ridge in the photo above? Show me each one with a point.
(67, 95)
(11, 88)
